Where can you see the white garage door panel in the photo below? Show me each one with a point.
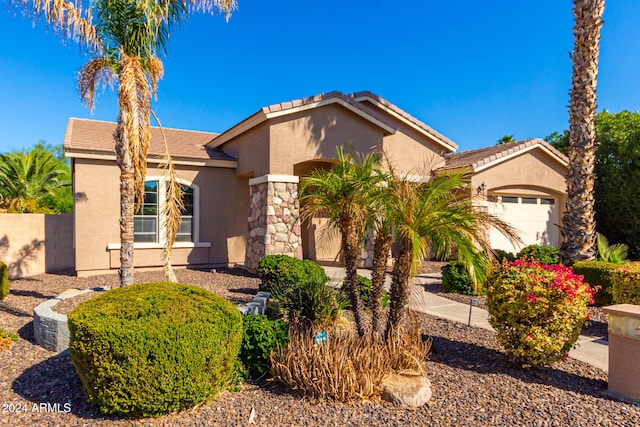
(535, 223)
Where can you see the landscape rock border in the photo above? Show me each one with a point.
(51, 329)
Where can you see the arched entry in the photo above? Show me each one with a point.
(318, 243)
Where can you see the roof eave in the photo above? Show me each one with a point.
(432, 134)
(75, 153)
(265, 114)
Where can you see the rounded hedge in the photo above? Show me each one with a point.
(154, 348)
(276, 271)
(456, 279)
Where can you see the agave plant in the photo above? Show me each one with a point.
(616, 253)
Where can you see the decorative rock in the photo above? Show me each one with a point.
(407, 389)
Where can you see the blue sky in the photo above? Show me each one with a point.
(472, 70)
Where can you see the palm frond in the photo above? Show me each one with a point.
(98, 72)
(173, 207)
(68, 19)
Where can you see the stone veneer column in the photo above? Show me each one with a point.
(274, 219)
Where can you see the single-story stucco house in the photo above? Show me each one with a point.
(242, 185)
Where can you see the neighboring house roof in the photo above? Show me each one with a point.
(303, 104)
(86, 138)
(483, 158)
(397, 112)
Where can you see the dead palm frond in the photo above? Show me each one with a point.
(173, 207)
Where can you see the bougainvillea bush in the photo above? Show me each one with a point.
(537, 310)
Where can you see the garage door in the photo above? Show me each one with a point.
(534, 218)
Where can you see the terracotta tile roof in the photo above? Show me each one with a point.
(97, 136)
(483, 156)
(428, 129)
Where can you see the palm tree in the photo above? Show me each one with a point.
(382, 229)
(126, 38)
(579, 228)
(506, 139)
(27, 179)
(341, 193)
(434, 216)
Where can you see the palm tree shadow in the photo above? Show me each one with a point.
(484, 360)
(55, 382)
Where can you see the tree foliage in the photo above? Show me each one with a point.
(35, 181)
(617, 187)
(617, 171)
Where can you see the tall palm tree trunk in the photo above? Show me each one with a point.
(127, 201)
(579, 227)
(381, 247)
(350, 243)
(400, 288)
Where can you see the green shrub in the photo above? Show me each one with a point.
(456, 279)
(544, 254)
(311, 302)
(503, 256)
(283, 270)
(261, 337)
(598, 275)
(626, 284)
(364, 289)
(4, 280)
(537, 310)
(155, 348)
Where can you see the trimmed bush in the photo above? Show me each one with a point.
(547, 255)
(4, 280)
(456, 279)
(626, 284)
(364, 289)
(154, 348)
(598, 275)
(283, 270)
(503, 256)
(537, 310)
(311, 302)
(261, 337)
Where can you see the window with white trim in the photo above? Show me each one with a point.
(147, 219)
(185, 230)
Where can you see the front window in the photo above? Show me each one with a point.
(185, 231)
(145, 219)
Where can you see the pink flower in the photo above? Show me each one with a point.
(531, 298)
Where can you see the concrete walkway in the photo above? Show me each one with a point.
(588, 350)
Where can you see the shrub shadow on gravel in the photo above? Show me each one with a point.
(483, 360)
(26, 333)
(55, 382)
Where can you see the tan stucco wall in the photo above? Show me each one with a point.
(316, 134)
(532, 173)
(224, 203)
(411, 151)
(32, 244)
(252, 151)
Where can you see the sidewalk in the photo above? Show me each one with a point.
(588, 350)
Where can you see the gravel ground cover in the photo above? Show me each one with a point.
(473, 383)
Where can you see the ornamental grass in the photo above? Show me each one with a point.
(346, 367)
